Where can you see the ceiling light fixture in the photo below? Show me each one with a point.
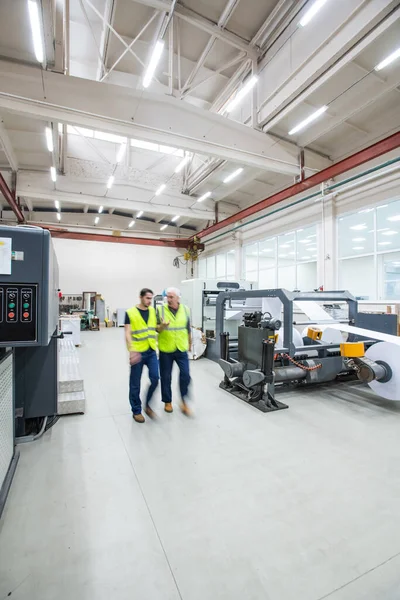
(53, 174)
(358, 248)
(233, 175)
(49, 139)
(161, 189)
(183, 162)
(57, 204)
(312, 11)
(388, 60)
(36, 30)
(163, 227)
(308, 120)
(358, 240)
(154, 60)
(131, 224)
(140, 214)
(100, 210)
(96, 220)
(389, 232)
(204, 197)
(359, 227)
(394, 218)
(175, 219)
(121, 152)
(384, 243)
(244, 90)
(59, 216)
(110, 181)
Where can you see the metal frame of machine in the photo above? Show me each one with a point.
(252, 378)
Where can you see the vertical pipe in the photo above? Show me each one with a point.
(171, 56)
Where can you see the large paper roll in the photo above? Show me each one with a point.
(388, 353)
(329, 334)
(297, 339)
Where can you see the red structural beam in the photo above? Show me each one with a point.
(9, 196)
(355, 160)
(113, 239)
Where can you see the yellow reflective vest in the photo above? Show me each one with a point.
(176, 336)
(143, 334)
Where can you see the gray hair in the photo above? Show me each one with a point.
(173, 290)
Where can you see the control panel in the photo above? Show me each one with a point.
(18, 313)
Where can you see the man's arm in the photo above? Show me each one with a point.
(128, 337)
(189, 328)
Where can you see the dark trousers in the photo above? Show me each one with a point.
(167, 360)
(149, 359)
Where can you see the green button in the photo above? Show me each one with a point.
(26, 305)
(11, 305)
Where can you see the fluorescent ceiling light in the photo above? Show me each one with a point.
(110, 181)
(100, 210)
(57, 204)
(358, 248)
(204, 197)
(358, 240)
(59, 216)
(121, 152)
(49, 139)
(306, 241)
(36, 30)
(163, 227)
(175, 219)
(285, 246)
(131, 224)
(161, 189)
(139, 214)
(389, 233)
(53, 174)
(389, 59)
(312, 11)
(154, 60)
(394, 218)
(183, 162)
(96, 220)
(359, 227)
(233, 175)
(384, 243)
(308, 120)
(248, 85)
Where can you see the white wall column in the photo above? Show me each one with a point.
(327, 265)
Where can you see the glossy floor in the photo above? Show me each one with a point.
(302, 504)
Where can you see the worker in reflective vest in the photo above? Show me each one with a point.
(174, 341)
(141, 342)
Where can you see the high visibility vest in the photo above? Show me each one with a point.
(176, 336)
(143, 334)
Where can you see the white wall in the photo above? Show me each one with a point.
(117, 271)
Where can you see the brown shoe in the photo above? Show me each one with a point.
(139, 418)
(150, 413)
(186, 410)
(168, 407)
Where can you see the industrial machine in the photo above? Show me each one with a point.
(28, 326)
(265, 361)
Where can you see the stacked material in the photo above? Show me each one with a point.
(71, 395)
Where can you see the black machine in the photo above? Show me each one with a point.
(29, 322)
(262, 365)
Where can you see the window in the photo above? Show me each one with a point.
(369, 252)
(221, 266)
(231, 265)
(211, 267)
(288, 261)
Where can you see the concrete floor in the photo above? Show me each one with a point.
(302, 504)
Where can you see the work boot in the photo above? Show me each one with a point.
(186, 410)
(168, 407)
(139, 418)
(150, 412)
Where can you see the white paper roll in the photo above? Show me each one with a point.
(329, 335)
(390, 354)
(297, 339)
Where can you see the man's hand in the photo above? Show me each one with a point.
(134, 358)
(163, 325)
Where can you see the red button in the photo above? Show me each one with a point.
(25, 315)
(11, 315)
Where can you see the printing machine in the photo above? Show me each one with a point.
(264, 363)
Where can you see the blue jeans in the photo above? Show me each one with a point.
(149, 358)
(167, 360)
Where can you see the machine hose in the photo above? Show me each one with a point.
(300, 365)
